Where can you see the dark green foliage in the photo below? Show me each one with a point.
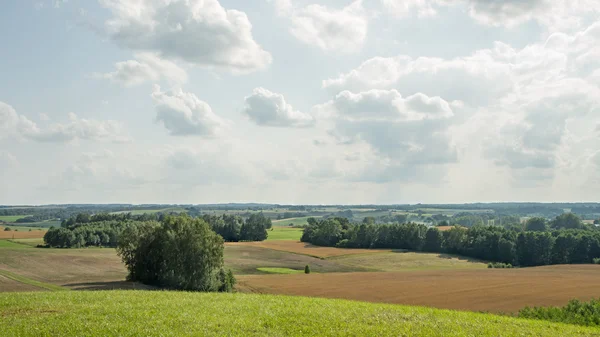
(567, 221)
(7, 229)
(491, 243)
(575, 312)
(536, 225)
(433, 240)
(255, 228)
(499, 265)
(306, 269)
(178, 253)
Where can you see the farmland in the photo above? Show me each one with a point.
(21, 233)
(306, 248)
(11, 218)
(284, 233)
(494, 290)
(134, 313)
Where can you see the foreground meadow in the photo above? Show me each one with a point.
(162, 313)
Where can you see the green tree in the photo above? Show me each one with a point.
(536, 225)
(433, 240)
(567, 221)
(306, 269)
(179, 253)
(255, 228)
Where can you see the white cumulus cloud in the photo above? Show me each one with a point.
(330, 29)
(146, 67)
(267, 108)
(199, 32)
(184, 114)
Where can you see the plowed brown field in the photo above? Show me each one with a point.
(306, 248)
(495, 290)
(34, 234)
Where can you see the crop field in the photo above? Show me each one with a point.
(21, 233)
(293, 221)
(408, 261)
(163, 313)
(70, 268)
(306, 248)
(11, 218)
(284, 233)
(494, 290)
(245, 259)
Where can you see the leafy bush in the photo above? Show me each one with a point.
(7, 229)
(596, 260)
(575, 312)
(499, 265)
(306, 269)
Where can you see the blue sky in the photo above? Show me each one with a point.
(298, 101)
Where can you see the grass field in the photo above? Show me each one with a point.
(409, 261)
(12, 218)
(285, 271)
(496, 290)
(284, 233)
(158, 313)
(293, 221)
(28, 242)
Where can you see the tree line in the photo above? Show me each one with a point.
(104, 229)
(555, 245)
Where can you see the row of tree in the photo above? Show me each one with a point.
(234, 228)
(491, 243)
(103, 229)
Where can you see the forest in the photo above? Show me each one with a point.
(565, 240)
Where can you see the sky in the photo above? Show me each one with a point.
(299, 101)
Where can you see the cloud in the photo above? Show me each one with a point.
(8, 160)
(554, 15)
(183, 114)
(199, 32)
(267, 108)
(404, 8)
(473, 79)
(339, 30)
(77, 128)
(405, 134)
(146, 67)
(202, 167)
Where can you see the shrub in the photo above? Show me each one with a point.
(499, 265)
(575, 312)
(306, 269)
(596, 260)
(7, 229)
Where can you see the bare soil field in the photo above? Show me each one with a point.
(34, 234)
(494, 290)
(245, 259)
(306, 248)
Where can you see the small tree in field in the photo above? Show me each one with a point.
(306, 269)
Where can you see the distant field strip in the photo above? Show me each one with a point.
(495, 290)
(307, 249)
(30, 282)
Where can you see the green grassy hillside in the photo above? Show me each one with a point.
(157, 313)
